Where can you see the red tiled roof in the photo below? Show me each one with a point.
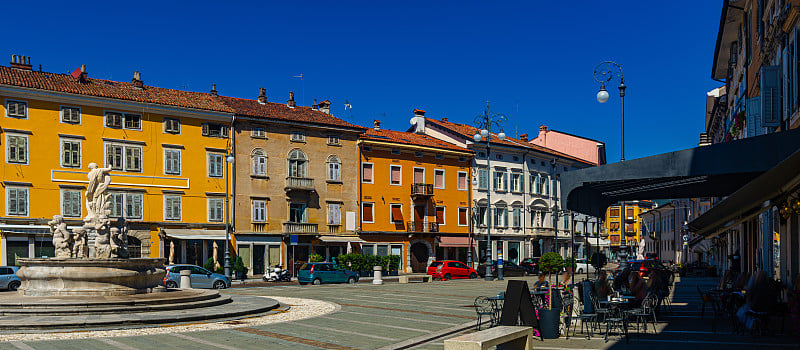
(468, 132)
(280, 111)
(410, 138)
(110, 89)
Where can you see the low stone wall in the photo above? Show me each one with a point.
(89, 277)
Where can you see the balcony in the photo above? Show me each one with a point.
(419, 226)
(299, 184)
(421, 191)
(299, 228)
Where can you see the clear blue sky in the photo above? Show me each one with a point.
(388, 58)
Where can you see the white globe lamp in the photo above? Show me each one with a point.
(602, 95)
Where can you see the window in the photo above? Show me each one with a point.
(396, 212)
(71, 203)
(258, 163)
(297, 137)
(440, 215)
(462, 180)
(366, 173)
(545, 181)
(498, 156)
(419, 175)
(395, 151)
(172, 207)
(516, 182)
(438, 178)
(481, 216)
(333, 140)
(17, 109)
(334, 169)
(297, 212)
(500, 181)
(258, 133)
(516, 217)
(133, 121)
(259, 210)
(214, 130)
(17, 151)
(463, 214)
(481, 154)
(334, 214)
(418, 154)
(500, 217)
(172, 125)
(216, 162)
(124, 157)
(297, 163)
(541, 187)
(439, 156)
(70, 153)
(396, 177)
(516, 158)
(532, 181)
(17, 201)
(483, 178)
(172, 161)
(113, 120)
(215, 209)
(126, 204)
(367, 212)
(70, 115)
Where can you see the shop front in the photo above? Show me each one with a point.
(455, 248)
(24, 241)
(258, 252)
(330, 247)
(189, 246)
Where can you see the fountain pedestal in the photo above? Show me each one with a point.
(90, 277)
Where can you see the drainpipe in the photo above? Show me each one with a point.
(233, 180)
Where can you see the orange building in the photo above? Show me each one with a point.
(415, 197)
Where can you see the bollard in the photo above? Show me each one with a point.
(378, 275)
(186, 279)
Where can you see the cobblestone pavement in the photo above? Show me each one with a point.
(394, 315)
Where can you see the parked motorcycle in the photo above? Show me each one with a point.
(277, 274)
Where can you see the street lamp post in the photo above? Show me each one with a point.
(603, 73)
(227, 265)
(485, 122)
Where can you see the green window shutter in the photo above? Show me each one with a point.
(770, 97)
(753, 115)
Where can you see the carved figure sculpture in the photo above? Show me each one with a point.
(80, 249)
(119, 243)
(61, 237)
(102, 245)
(97, 200)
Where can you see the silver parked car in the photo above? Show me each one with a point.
(8, 278)
(200, 277)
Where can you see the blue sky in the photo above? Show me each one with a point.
(531, 60)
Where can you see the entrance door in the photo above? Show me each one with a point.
(419, 257)
(258, 259)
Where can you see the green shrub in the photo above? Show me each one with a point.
(238, 265)
(551, 263)
(209, 265)
(316, 258)
(394, 262)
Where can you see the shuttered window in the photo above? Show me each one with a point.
(438, 178)
(17, 148)
(172, 161)
(463, 214)
(70, 153)
(259, 210)
(334, 214)
(419, 175)
(71, 203)
(17, 201)
(215, 164)
(366, 172)
(440, 215)
(367, 211)
(462, 180)
(215, 209)
(483, 179)
(124, 157)
(516, 217)
(334, 169)
(258, 162)
(71, 115)
(133, 158)
(172, 207)
(17, 109)
(397, 213)
(396, 174)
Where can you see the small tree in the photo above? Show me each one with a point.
(550, 263)
(598, 260)
(209, 265)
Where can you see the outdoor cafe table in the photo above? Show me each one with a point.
(616, 310)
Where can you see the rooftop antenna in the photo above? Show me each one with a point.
(302, 87)
(347, 106)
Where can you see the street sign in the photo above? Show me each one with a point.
(293, 239)
(685, 237)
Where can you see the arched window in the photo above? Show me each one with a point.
(334, 173)
(258, 160)
(297, 163)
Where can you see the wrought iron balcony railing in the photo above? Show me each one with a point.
(419, 226)
(421, 190)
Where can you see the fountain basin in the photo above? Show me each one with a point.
(90, 277)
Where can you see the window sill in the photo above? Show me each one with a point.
(339, 182)
(259, 137)
(297, 141)
(254, 176)
(335, 144)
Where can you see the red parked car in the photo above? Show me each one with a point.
(449, 269)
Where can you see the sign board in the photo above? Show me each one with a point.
(293, 239)
(518, 306)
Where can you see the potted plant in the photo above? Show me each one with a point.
(315, 258)
(550, 315)
(394, 264)
(239, 270)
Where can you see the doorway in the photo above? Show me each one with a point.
(258, 259)
(419, 218)
(419, 257)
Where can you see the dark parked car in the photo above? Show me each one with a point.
(8, 278)
(319, 273)
(510, 269)
(531, 264)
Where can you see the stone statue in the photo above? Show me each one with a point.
(171, 252)
(102, 245)
(97, 199)
(61, 237)
(80, 250)
(119, 243)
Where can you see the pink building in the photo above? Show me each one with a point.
(580, 147)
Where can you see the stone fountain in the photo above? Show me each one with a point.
(92, 259)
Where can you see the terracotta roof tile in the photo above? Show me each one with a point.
(410, 138)
(468, 132)
(110, 89)
(280, 111)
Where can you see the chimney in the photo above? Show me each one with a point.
(325, 107)
(419, 113)
(213, 91)
(21, 62)
(418, 121)
(291, 102)
(377, 124)
(262, 95)
(524, 137)
(315, 107)
(444, 119)
(543, 135)
(137, 80)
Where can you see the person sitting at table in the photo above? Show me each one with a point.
(602, 288)
(638, 288)
(541, 283)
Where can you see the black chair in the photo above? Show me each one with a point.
(588, 318)
(646, 312)
(485, 307)
(566, 311)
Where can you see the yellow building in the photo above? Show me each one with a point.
(166, 149)
(633, 223)
(415, 195)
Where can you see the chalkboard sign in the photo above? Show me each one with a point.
(518, 306)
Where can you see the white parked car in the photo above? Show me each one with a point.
(583, 266)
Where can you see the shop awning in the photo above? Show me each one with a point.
(455, 242)
(752, 199)
(341, 239)
(194, 234)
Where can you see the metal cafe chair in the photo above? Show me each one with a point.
(485, 307)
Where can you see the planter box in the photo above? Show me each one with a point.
(549, 320)
(365, 273)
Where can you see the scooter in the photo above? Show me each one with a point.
(277, 274)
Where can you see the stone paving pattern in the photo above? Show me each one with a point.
(385, 316)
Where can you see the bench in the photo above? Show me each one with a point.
(511, 337)
(419, 278)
